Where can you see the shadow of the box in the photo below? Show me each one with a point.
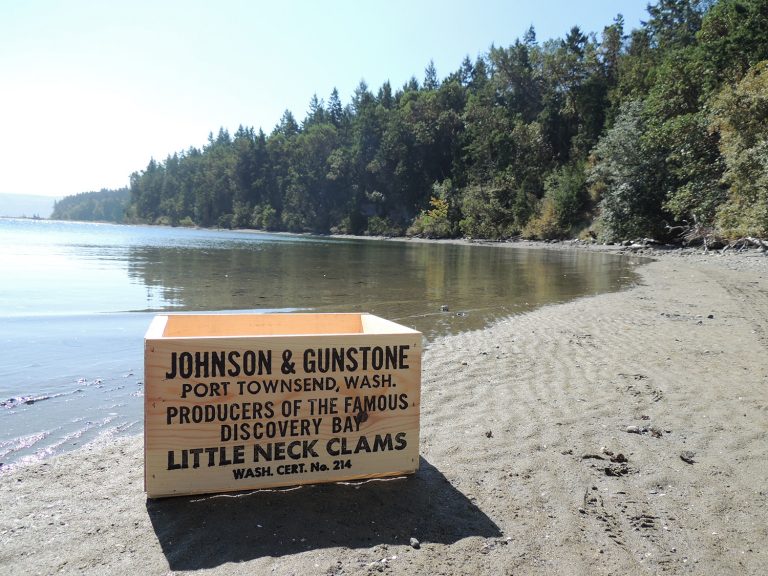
(198, 532)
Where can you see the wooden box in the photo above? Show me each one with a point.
(246, 401)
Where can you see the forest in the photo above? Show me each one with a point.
(102, 206)
(658, 132)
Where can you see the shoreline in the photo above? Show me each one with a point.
(67, 381)
(649, 247)
(522, 426)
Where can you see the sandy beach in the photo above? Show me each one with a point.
(625, 433)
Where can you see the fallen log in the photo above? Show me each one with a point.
(745, 242)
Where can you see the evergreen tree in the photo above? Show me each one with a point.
(662, 125)
(430, 77)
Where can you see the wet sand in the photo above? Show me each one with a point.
(618, 434)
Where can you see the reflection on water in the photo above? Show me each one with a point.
(69, 268)
(403, 281)
(76, 299)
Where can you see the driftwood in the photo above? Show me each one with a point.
(707, 236)
(746, 242)
(696, 233)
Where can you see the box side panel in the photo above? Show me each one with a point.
(243, 413)
(151, 339)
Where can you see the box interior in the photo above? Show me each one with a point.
(204, 325)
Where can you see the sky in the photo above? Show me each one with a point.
(91, 90)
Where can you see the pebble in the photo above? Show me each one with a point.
(415, 544)
(633, 429)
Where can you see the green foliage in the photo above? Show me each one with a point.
(103, 206)
(623, 169)
(674, 23)
(639, 130)
(544, 226)
(442, 220)
(740, 117)
(484, 216)
(694, 169)
(498, 211)
(432, 223)
(225, 221)
(563, 206)
(378, 226)
(264, 217)
(732, 39)
(567, 187)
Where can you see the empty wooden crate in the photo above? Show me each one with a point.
(245, 401)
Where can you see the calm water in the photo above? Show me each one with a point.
(76, 299)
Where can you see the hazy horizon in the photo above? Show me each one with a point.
(26, 205)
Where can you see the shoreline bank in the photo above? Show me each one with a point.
(523, 425)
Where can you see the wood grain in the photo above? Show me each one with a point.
(211, 398)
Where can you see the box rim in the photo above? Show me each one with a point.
(160, 322)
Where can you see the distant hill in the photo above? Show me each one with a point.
(103, 206)
(26, 205)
